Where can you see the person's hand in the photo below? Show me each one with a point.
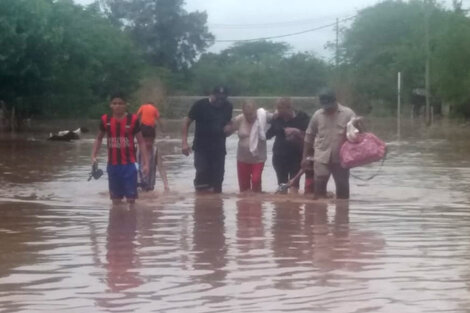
(292, 132)
(228, 129)
(359, 123)
(185, 149)
(306, 164)
(145, 169)
(275, 115)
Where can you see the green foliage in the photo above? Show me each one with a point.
(452, 63)
(25, 67)
(256, 51)
(260, 68)
(168, 35)
(390, 37)
(382, 41)
(60, 59)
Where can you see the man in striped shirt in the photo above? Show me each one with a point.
(122, 129)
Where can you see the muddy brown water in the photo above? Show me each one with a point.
(402, 244)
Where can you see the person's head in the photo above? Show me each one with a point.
(219, 94)
(328, 101)
(285, 108)
(118, 103)
(249, 111)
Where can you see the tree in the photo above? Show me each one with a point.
(390, 37)
(260, 68)
(26, 64)
(167, 34)
(383, 40)
(61, 59)
(255, 51)
(451, 62)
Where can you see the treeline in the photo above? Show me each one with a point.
(390, 37)
(260, 68)
(59, 59)
(62, 59)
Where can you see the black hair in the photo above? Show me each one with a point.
(118, 94)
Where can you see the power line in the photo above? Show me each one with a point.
(286, 35)
(272, 24)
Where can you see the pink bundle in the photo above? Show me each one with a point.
(366, 150)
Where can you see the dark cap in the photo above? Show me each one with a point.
(220, 91)
(327, 98)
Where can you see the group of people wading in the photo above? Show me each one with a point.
(302, 144)
(299, 139)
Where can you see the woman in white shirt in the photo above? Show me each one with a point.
(251, 153)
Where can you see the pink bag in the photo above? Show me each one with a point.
(367, 150)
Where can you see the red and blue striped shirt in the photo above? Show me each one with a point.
(120, 134)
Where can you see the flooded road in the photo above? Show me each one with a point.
(402, 244)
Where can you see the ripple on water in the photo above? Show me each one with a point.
(401, 244)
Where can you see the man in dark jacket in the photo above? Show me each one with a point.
(211, 116)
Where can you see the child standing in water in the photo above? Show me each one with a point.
(121, 128)
(149, 117)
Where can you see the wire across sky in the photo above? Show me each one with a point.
(289, 34)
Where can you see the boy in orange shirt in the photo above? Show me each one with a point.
(149, 118)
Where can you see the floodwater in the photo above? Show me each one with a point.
(401, 244)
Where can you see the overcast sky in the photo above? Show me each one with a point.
(246, 19)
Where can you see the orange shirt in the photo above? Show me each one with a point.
(148, 114)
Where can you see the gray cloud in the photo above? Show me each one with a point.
(247, 19)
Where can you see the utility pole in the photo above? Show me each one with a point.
(427, 73)
(399, 106)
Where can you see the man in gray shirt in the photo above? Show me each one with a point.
(324, 137)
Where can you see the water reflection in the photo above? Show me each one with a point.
(250, 230)
(287, 245)
(401, 244)
(50, 158)
(122, 259)
(18, 231)
(334, 244)
(305, 238)
(323, 233)
(209, 239)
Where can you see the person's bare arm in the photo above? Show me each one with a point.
(309, 139)
(139, 114)
(162, 170)
(97, 146)
(160, 126)
(184, 146)
(307, 152)
(231, 127)
(144, 155)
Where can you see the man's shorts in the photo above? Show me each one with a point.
(122, 180)
(148, 131)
